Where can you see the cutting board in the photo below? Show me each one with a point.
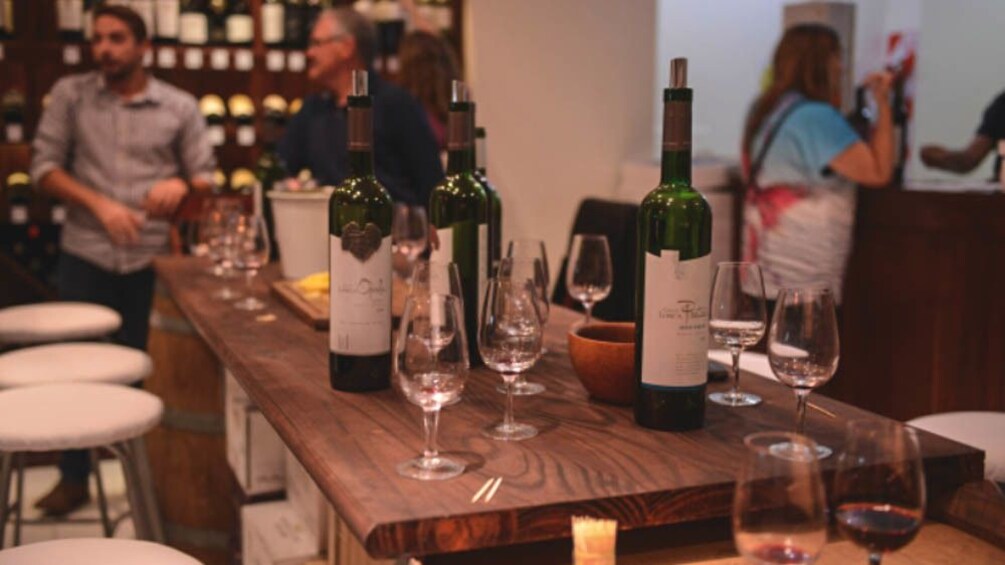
(313, 308)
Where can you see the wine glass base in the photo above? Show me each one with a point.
(737, 399)
(249, 304)
(512, 432)
(523, 388)
(226, 294)
(430, 469)
(796, 452)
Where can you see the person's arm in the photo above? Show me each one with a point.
(50, 155)
(958, 161)
(197, 161)
(871, 164)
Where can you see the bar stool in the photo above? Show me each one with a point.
(56, 417)
(95, 551)
(983, 430)
(56, 321)
(92, 362)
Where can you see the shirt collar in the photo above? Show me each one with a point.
(151, 93)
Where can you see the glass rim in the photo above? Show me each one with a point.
(590, 236)
(812, 288)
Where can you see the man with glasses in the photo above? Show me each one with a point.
(405, 152)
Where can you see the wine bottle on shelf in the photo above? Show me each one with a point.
(673, 284)
(220, 185)
(494, 202)
(390, 22)
(273, 23)
(360, 215)
(295, 24)
(145, 9)
(217, 16)
(242, 181)
(444, 16)
(13, 104)
(70, 19)
(193, 23)
(214, 111)
(240, 25)
(166, 22)
(18, 193)
(458, 210)
(242, 109)
(89, 6)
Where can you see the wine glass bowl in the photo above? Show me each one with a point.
(589, 275)
(529, 271)
(249, 254)
(737, 320)
(409, 235)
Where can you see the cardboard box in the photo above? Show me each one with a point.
(306, 498)
(273, 534)
(254, 450)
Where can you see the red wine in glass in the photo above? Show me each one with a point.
(880, 528)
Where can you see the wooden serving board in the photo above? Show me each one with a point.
(313, 309)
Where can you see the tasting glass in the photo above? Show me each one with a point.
(509, 340)
(533, 249)
(430, 366)
(879, 487)
(737, 320)
(409, 235)
(803, 346)
(250, 253)
(217, 233)
(527, 271)
(589, 275)
(779, 507)
(440, 278)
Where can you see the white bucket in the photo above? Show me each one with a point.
(301, 224)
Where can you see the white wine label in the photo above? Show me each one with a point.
(71, 15)
(219, 59)
(272, 23)
(360, 291)
(245, 136)
(297, 61)
(167, 58)
(483, 252)
(58, 214)
(443, 250)
(244, 60)
(275, 61)
(71, 55)
(193, 59)
(167, 19)
(148, 59)
(193, 28)
(14, 133)
(675, 331)
(240, 28)
(217, 135)
(19, 215)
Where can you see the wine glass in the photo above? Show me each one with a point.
(250, 253)
(779, 508)
(589, 276)
(219, 238)
(533, 249)
(509, 340)
(737, 319)
(528, 272)
(440, 278)
(803, 347)
(879, 487)
(409, 234)
(430, 366)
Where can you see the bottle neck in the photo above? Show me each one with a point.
(675, 169)
(360, 163)
(460, 142)
(360, 137)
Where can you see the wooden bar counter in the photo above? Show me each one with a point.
(664, 489)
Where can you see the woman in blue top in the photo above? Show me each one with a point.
(802, 161)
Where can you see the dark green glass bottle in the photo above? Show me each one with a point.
(494, 202)
(458, 210)
(673, 283)
(359, 224)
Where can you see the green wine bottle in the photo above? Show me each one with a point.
(673, 283)
(458, 210)
(494, 202)
(359, 224)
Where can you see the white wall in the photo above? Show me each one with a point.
(564, 88)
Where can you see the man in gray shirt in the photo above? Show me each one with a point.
(122, 149)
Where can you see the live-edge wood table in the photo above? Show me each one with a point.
(590, 458)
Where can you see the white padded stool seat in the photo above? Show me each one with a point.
(983, 430)
(56, 321)
(95, 551)
(750, 361)
(73, 362)
(74, 416)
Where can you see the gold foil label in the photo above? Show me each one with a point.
(360, 129)
(460, 131)
(676, 125)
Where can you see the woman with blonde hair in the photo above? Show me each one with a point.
(802, 160)
(428, 65)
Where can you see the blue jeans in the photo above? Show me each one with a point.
(131, 295)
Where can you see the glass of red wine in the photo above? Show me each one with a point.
(779, 509)
(879, 488)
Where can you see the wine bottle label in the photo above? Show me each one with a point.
(360, 291)
(193, 28)
(246, 136)
(240, 28)
(14, 133)
(444, 253)
(272, 23)
(167, 19)
(675, 330)
(19, 215)
(71, 15)
(676, 125)
(58, 214)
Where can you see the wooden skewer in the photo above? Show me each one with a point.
(482, 490)
(822, 410)
(492, 492)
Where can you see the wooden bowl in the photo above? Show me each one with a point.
(603, 355)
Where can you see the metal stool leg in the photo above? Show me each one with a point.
(106, 523)
(6, 469)
(20, 499)
(142, 465)
(122, 452)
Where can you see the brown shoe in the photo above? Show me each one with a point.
(64, 498)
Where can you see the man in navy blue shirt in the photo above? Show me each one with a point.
(405, 152)
(990, 133)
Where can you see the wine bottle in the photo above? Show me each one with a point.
(359, 221)
(273, 22)
(673, 285)
(860, 118)
(70, 19)
(495, 203)
(390, 22)
(458, 210)
(269, 170)
(214, 111)
(18, 195)
(13, 109)
(145, 9)
(243, 111)
(217, 16)
(296, 23)
(242, 181)
(240, 25)
(89, 6)
(166, 23)
(193, 23)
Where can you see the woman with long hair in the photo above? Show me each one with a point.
(802, 160)
(428, 65)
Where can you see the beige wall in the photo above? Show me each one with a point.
(564, 88)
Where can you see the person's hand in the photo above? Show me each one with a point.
(879, 85)
(121, 223)
(164, 197)
(934, 155)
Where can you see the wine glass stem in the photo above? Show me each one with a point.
(875, 558)
(735, 352)
(430, 425)
(589, 311)
(801, 398)
(510, 380)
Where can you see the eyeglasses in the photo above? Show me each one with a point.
(325, 41)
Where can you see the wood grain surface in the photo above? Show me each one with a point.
(590, 458)
(311, 309)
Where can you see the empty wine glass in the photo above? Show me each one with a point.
(737, 319)
(250, 253)
(589, 275)
(879, 488)
(440, 278)
(219, 238)
(527, 271)
(803, 346)
(533, 249)
(509, 341)
(409, 234)
(779, 509)
(430, 366)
